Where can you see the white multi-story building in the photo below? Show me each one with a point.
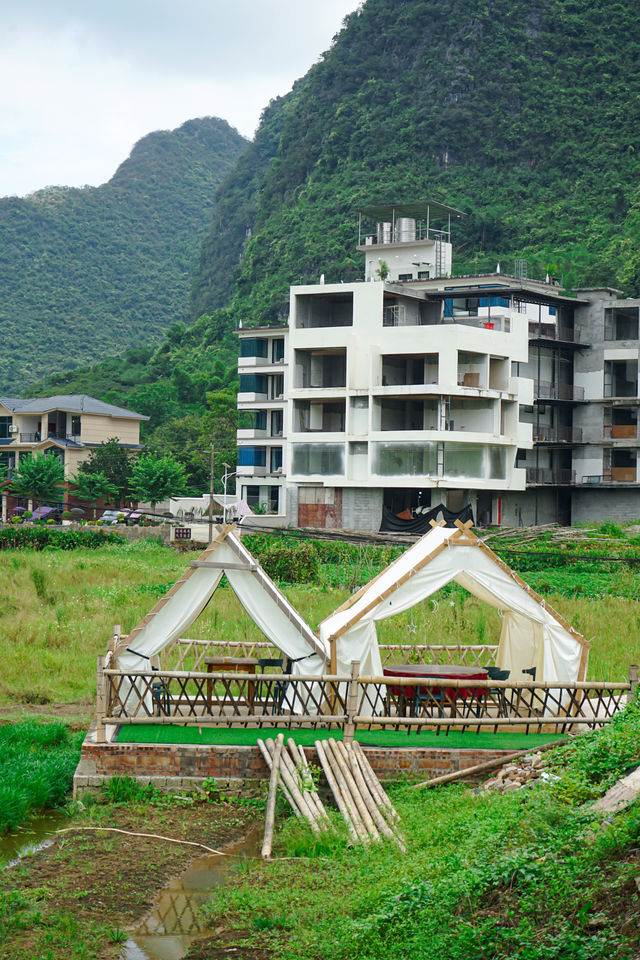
(413, 389)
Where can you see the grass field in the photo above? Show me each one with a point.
(486, 876)
(58, 610)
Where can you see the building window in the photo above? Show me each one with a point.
(252, 496)
(404, 459)
(5, 423)
(277, 417)
(252, 457)
(276, 459)
(277, 350)
(253, 383)
(75, 426)
(323, 459)
(253, 347)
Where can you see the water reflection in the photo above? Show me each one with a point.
(175, 920)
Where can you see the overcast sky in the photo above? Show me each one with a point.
(82, 80)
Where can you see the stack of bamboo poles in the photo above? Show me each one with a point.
(291, 770)
(365, 807)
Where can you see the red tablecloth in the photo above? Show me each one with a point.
(435, 670)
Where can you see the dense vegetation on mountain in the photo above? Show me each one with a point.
(87, 272)
(524, 114)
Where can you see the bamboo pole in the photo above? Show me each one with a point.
(347, 792)
(289, 775)
(343, 806)
(342, 754)
(351, 702)
(369, 799)
(347, 783)
(300, 761)
(269, 762)
(271, 800)
(374, 781)
(488, 765)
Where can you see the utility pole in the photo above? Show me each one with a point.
(211, 498)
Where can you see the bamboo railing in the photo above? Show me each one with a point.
(355, 702)
(190, 654)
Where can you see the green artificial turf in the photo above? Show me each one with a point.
(239, 736)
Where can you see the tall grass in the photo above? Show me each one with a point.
(37, 762)
(57, 610)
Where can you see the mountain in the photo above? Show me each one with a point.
(87, 272)
(523, 113)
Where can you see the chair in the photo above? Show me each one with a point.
(498, 693)
(276, 687)
(531, 671)
(161, 700)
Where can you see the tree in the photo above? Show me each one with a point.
(115, 463)
(39, 478)
(154, 478)
(94, 486)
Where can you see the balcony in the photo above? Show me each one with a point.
(37, 437)
(550, 476)
(546, 390)
(614, 475)
(551, 331)
(546, 434)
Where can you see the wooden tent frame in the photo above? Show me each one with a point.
(245, 562)
(463, 537)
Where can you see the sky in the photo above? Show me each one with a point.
(82, 80)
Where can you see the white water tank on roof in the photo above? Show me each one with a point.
(384, 233)
(406, 229)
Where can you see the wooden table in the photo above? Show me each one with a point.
(231, 665)
(407, 694)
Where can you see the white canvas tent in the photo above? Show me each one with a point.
(185, 601)
(533, 634)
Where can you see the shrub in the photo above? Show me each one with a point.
(66, 514)
(293, 563)
(37, 538)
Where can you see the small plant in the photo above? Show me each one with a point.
(66, 515)
(210, 789)
(27, 515)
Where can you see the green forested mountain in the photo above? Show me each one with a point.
(523, 113)
(87, 272)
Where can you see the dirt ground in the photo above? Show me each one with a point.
(77, 715)
(78, 897)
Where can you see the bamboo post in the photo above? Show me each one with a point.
(301, 762)
(333, 753)
(288, 773)
(269, 762)
(369, 800)
(634, 677)
(101, 702)
(343, 759)
(383, 799)
(325, 762)
(271, 800)
(352, 703)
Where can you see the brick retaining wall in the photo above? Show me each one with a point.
(176, 767)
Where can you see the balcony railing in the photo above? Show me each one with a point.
(614, 475)
(547, 390)
(550, 475)
(550, 331)
(37, 437)
(545, 434)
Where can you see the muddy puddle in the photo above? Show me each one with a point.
(35, 835)
(174, 921)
